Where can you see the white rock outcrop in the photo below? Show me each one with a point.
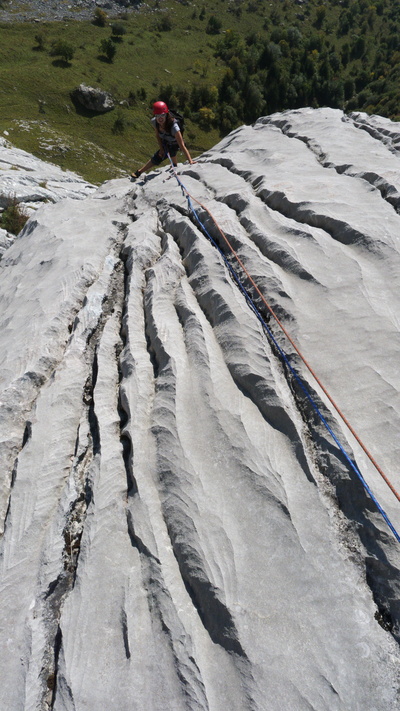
(6, 240)
(31, 181)
(178, 529)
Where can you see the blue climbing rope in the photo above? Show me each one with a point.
(281, 352)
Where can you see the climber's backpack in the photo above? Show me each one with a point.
(179, 119)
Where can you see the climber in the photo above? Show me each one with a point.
(169, 138)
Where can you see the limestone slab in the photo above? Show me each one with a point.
(178, 529)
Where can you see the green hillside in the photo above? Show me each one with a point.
(220, 63)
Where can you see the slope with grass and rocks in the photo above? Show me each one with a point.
(59, 10)
(178, 529)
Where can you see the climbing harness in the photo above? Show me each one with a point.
(190, 200)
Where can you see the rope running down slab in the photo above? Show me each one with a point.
(190, 199)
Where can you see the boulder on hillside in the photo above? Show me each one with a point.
(93, 99)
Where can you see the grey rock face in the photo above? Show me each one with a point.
(93, 99)
(6, 239)
(32, 182)
(29, 179)
(178, 530)
(42, 10)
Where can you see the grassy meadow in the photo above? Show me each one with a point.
(35, 87)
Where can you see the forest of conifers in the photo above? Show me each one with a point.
(343, 53)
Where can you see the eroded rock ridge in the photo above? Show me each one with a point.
(178, 530)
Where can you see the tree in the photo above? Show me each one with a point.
(119, 125)
(320, 16)
(359, 47)
(231, 44)
(345, 23)
(271, 55)
(228, 118)
(349, 89)
(117, 31)
(100, 17)
(108, 48)
(294, 37)
(165, 24)
(62, 49)
(253, 102)
(334, 61)
(206, 118)
(40, 39)
(213, 26)
(345, 54)
(132, 98)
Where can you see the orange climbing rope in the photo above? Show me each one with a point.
(281, 326)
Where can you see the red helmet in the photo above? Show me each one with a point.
(160, 108)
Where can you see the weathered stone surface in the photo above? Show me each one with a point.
(42, 10)
(94, 99)
(178, 531)
(32, 182)
(6, 239)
